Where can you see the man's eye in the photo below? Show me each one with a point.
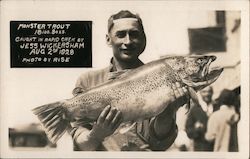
(121, 34)
(134, 33)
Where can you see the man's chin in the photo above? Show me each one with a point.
(128, 58)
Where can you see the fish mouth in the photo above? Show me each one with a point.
(209, 74)
(206, 68)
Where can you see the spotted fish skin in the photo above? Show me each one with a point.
(139, 94)
(132, 94)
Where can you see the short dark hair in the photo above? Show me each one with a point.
(227, 97)
(123, 14)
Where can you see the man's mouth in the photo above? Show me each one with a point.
(127, 51)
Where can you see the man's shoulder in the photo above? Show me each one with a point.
(217, 117)
(94, 72)
(93, 78)
(196, 110)
(218, 114)
(195, 107)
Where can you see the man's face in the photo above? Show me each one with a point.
(207, 94)
(127, 39)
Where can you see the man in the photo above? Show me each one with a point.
(222, 124)
(127, 39)
(196, 124)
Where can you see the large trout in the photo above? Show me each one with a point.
(139, 94)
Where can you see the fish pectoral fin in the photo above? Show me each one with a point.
(199, 85)
(192, 92)
(126, 128)
(188, 106)
(52, 117)
(189, 83)
(193, 95)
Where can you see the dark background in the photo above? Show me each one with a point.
(78, 29)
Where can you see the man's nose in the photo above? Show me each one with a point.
(127, 39)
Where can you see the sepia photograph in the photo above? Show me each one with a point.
(124, 79)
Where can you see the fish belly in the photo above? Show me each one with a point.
(145, 105)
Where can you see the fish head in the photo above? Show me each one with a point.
(194, 70)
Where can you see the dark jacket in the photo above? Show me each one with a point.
(197, 114)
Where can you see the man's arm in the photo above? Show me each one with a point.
(194, 128)
(162, 143)
(90, 140)
(190, 129)
(213, 125)
(163, 128)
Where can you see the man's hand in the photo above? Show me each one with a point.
(164, 121)
(108, 121)
(179, 97)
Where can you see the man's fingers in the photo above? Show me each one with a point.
(116, 120)
(110, 116)
(178, 85)
(180, 91)
(186, 93)
(176, 90)
(103, 114)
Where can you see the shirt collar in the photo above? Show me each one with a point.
(112, 67)
(113, 73)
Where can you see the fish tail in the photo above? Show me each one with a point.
(53, 118)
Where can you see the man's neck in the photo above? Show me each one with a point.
(121, 65)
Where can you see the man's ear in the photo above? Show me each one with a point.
(108, 40)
